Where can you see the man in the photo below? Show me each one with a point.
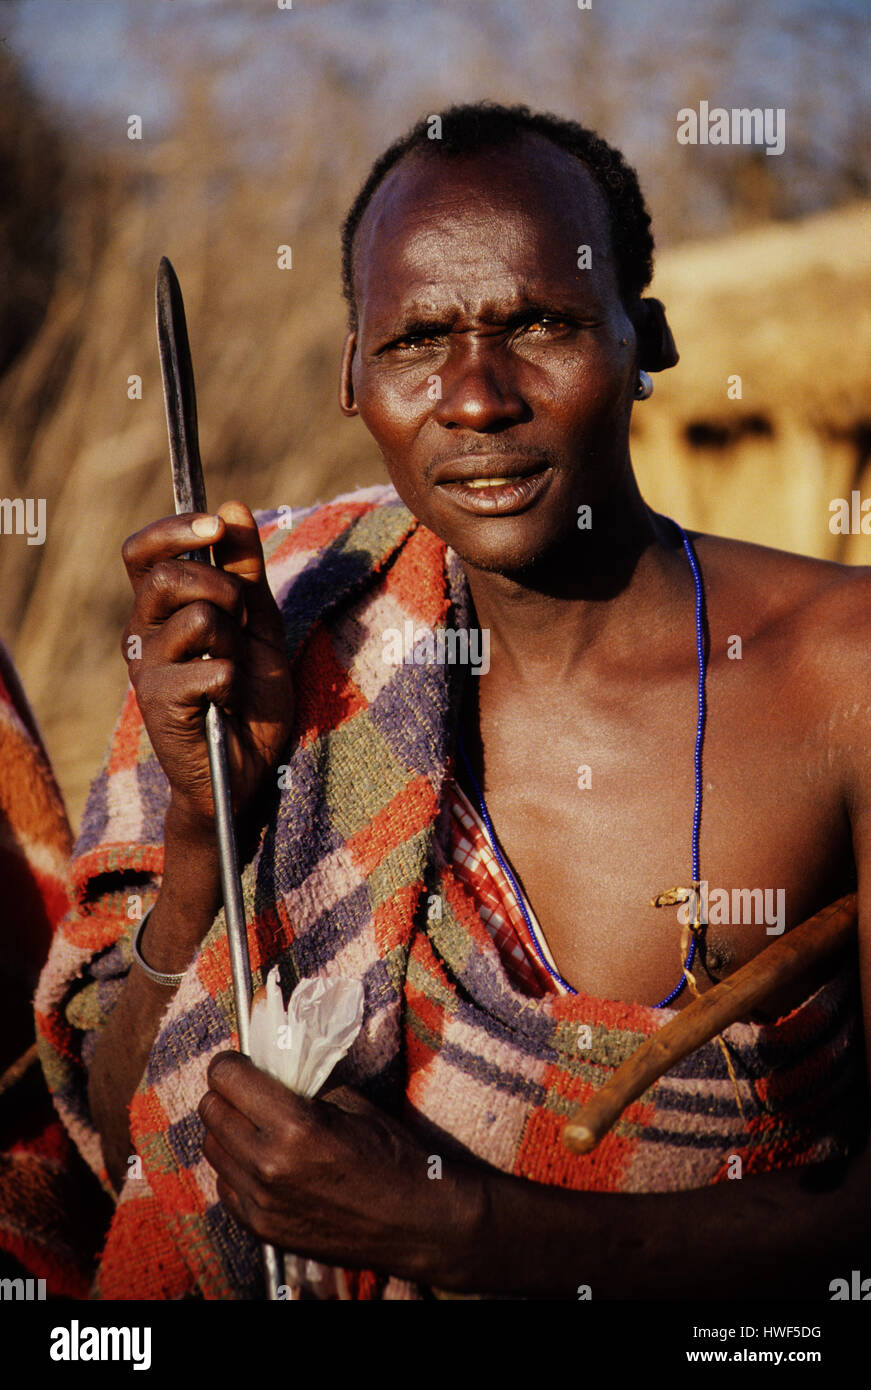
(496, 363)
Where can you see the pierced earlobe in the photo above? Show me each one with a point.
(644, 389)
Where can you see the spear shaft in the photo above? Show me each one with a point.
(189, 492)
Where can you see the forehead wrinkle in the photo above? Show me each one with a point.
(532, 173)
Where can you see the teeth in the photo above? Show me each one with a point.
(485, 482)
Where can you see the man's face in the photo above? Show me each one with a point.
(483, 350)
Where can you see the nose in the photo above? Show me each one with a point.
(480, 391)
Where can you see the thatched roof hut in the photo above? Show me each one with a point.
(787, 309)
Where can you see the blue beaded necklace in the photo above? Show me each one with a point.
(697, 804)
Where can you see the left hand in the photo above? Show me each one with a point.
(334, 1179)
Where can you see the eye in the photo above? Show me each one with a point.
(413, 342)
(544, 323)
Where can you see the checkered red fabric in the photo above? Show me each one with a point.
(477, 867)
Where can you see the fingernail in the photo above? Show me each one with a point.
(205, 526)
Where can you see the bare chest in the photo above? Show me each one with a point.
(593, 804)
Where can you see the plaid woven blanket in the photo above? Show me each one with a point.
(51, 1210)
(352, 877)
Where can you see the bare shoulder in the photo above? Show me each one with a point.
(781, 584)
(818, 610)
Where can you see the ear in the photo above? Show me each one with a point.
(347, 403)
(656, 346)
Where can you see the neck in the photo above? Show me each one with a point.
(611, 582)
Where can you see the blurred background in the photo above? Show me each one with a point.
(258, 125)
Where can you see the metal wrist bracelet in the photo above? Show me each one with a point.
(158, 976)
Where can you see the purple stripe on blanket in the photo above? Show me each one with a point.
(340, 567)
(96, 816)
(410, 713)
(499, 1013)
(203, 1029)
(239, 1252)
(302, 834)
(470, 1064)
(153, 789)
(332, 931)
(686, 1139)
(185, 1138)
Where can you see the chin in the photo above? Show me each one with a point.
(509, 553)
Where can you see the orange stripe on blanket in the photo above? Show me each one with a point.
(177, 1193)
(609, 1013)
(328, 696)
(140, 1259)
(419, 1051)
(393, 916)
(91, 932)
(322, 527)
(124, 752)
(543, 1157)
(409, 812)
(114, 858)
(419, 583)
(213, 965)
(147, 1113)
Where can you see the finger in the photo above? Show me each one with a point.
(167, 539)
(233, 1136)
(238, 1188)
(239, 550)
(258, 1096)
(171, 584)
(198, 629)
(180, 692)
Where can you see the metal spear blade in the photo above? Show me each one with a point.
(179, 394)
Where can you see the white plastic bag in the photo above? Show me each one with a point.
(300, 1046)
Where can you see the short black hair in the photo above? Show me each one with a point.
(475, 127)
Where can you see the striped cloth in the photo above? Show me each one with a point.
(51, 1210)
(353, 877)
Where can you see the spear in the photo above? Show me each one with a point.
(190, 496)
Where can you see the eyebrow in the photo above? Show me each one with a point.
(421, 323)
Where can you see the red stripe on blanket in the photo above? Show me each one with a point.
(328, 696)
(393, 916)
(409, 812)
(111, 859)
(418, 584)
(140, 1259)
(55, 1031)
(320, 528)
(124, 751)
(542, 1156)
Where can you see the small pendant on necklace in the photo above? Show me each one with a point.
(672, 896)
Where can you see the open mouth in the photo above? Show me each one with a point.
(497, 495)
